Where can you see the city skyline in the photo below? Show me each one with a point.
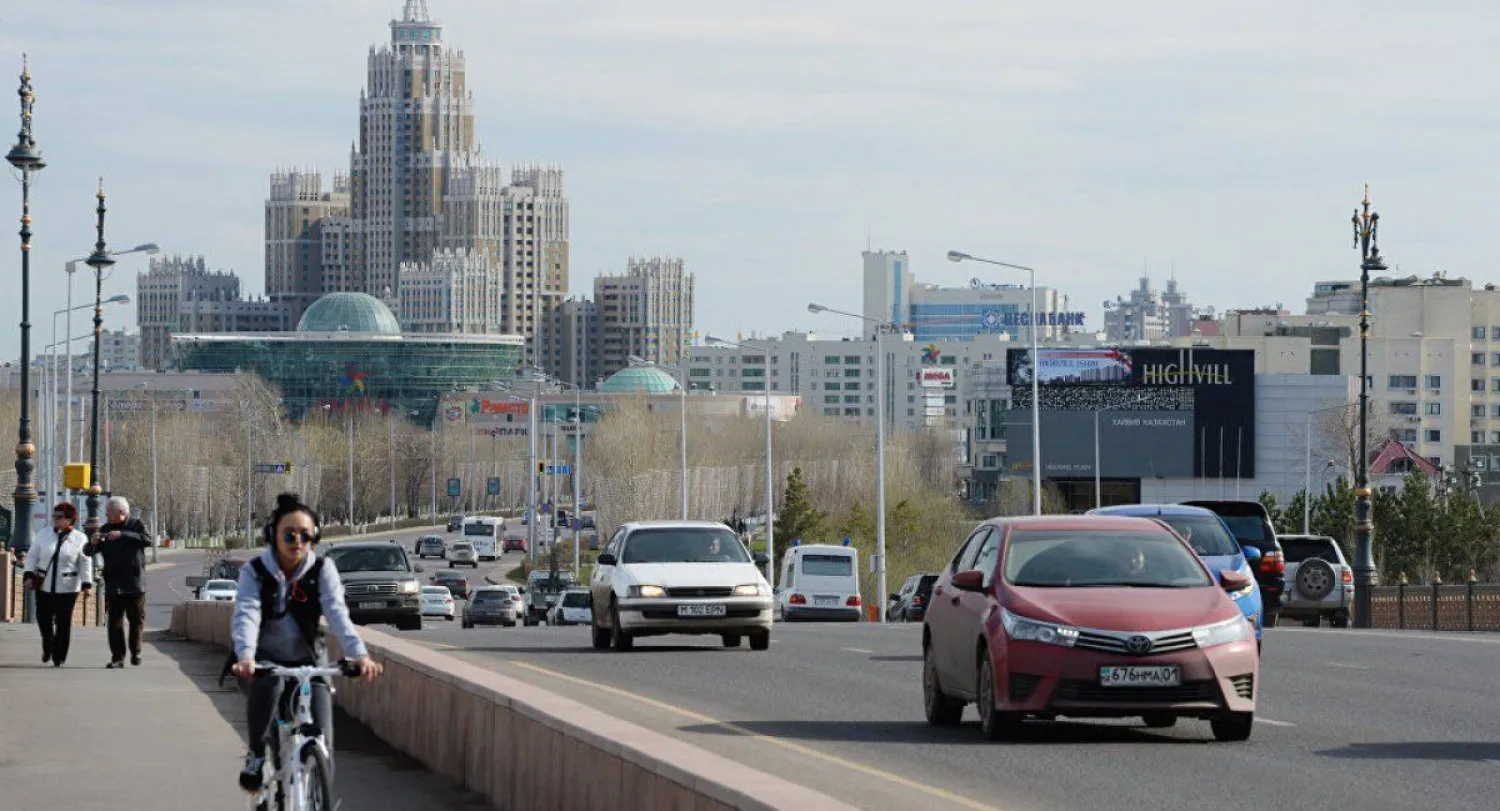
(1212, 142)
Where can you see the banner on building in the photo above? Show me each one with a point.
(935, 377)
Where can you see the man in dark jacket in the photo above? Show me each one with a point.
(123, 542)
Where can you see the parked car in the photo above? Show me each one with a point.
(457, 584)
(1321, 581)
(219, 590)
(460, 553)
(380, 583)
(513, 543)
(910, 603)
(432, 546)
(679, 577)
(586, 521)
(455, 523)
(819, 582)
(493, 605)
(572, 609)
(1087, 616)
(1251, 525)
(437, 602)
(1210, 537)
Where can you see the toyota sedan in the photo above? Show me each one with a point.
(1091, 617)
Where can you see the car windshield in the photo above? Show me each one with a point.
(368, 558)
(463, 547)
(431, 541)
(575, 599)
(489, 596)
(1074, 558)
(220, 585)
(827, 565)
(1300, 549)
(483, 530)
(435, 591)
(684, 545)
(1205, 533)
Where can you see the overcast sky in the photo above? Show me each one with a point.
(768, 142)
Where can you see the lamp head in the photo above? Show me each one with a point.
(958, 256)
(816, 308)
(146, 247)
(120, 299)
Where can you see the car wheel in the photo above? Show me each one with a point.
(1159, 720)
(1233, 726)
(942, 711)
(619, 638)
(1271, 617)
(467, 625)
(731, 640)
(995, 724)
(760, 640)
(450, 617)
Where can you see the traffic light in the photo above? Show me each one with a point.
(562, 517)
(541, 468)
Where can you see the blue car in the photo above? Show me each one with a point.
(1210, 537)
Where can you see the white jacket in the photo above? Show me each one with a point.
(74, 568)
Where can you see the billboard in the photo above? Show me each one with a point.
(935, 377)
(1161, 413)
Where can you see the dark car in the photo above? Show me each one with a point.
(1251, 525)
(454, 582)
(380, 583)
(456, 523)
(910, 603)
(513, 543)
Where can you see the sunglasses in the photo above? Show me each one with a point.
(292, 537)
(59, 517)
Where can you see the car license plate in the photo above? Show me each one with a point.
(711, 610)
(370, 605)
(1125, 676)
(822, 600)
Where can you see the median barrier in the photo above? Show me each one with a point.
(523, 747)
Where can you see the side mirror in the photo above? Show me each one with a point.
(605, 559)
(761, 558)
(895, 598)
(1234, 581)
(970, 580)
(1252, 553)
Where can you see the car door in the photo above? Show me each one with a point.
(943, 610)
(603, 580)
(901, 599)
(972, 609)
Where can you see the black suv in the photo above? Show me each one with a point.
(1251, 525)
(910, 603)
(380, 583)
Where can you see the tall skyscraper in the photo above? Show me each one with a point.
(646, 312)
(297, 213)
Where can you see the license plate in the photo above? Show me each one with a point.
(713, 610)
(821, 600)
(367, 606)
(1125, 676)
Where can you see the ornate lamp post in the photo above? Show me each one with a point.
(26, 158)
(1366, 236)
(100, 260)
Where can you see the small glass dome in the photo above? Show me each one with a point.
(349, 312)
(639, 379)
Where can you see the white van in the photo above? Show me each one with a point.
(484, 532)
(819, 582)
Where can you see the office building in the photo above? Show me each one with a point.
(935, 313)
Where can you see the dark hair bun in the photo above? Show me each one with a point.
(287, 502)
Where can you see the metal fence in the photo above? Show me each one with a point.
(1437, 607)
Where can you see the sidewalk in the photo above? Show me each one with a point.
(162, 736)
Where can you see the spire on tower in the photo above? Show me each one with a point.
(415, 12)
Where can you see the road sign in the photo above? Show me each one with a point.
(492, 487)
(559, 470)
(454, 487)
(274, 467)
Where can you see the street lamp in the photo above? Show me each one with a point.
(349, 414)
(1366, 236)
(100, 260)
(25, 157)
(770, 474)
(1307, 466)
(577, 467)
(1036, 373)
(49, 413)
(880, 329)
(682, 425)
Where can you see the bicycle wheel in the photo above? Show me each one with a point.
(317, 781)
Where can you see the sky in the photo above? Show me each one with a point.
(769, 143)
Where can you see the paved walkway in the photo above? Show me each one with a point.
(162, 736)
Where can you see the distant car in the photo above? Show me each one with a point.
(462, 552)
(513, 544)
(432, 546)
(586, 521)
(1087, 616)
(543, 592)
(455, 523)
(437, 602)
(1321, 581)
(380, 583)
(572, 609)
(457, 584)
(910, 603)
(493, 605)
(219, 590)
(1251, 525)
(820, 583)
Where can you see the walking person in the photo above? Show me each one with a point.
(123, 541)
(58, 568)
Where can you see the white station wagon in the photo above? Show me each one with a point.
(679, 577)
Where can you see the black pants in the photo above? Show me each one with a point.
(266, 693)
(121, 608)
(54, 617)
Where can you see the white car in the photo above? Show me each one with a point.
(460, 552)
(679, 577)
(219, 590)
(572, 609)
(437, 601)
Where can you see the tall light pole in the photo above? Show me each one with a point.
(50, 413)
(100, 260)
(1036, 373)
(390, 422)
(770, 460)
(1366, 239)
(881, 327)
(26, 158)
(1307, 467)
(682, 384)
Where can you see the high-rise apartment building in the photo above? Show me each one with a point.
(1149, 314)
(297, 212)
(576, 325)
(456, 292)
(646, 312)
(160, 292)
(935, 313)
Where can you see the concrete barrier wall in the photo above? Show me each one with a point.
(523, 747)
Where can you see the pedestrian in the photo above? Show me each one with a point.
(57, 569)
(123, 541)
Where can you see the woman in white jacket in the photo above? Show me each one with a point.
(58, 569)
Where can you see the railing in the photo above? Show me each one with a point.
(1470, 606)
(86, 611)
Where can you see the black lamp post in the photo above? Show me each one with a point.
(26, 158)
(1366, 237)
(99, 260)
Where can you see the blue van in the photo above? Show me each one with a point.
(1210, 537)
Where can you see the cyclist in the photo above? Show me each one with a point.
(282, 595)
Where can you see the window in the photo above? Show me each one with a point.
(833, 360)
(1404, 434)
(1477, 410)
(835, 387)
(851, 412)
(1477, 333)
(851, 359)
(1433, 409)
(1477, 462)
(1495, 359)
(1495, 411)
(1401, 382)
(852, 386)
(831, 398)
(1476, 385)
(1434, 435)
(1435, 382)
(1437, 461)
(1495, 384)
(1403, 408)
(1476, 358)
(828, 565)
(1476, 437)
(753, 373)
(965, 557)
(989, 461)
(948, 360)
(1494, 440)
(1495, 333)
(830, 412)
(753, 385)
(851, 373)
(851, 398)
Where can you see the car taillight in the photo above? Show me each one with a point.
(916, 599)
(797, 599)
(1348, 576)
(852, 601)
(1273, 562)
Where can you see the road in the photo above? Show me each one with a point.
(1346, 719)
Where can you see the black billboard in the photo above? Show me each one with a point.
(1160, 412)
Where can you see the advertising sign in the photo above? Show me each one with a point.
(454, 487)
(1071, 367)
(492, 486)
(935, 377)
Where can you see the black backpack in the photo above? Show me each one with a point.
(304, 604)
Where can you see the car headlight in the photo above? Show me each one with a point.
(1023, 629)
(751, 590)
(1222, 633)
(407, 587)
(647, 592)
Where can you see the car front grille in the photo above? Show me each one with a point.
(671, 614)
(1187, 692)
(1119, 642)
(365, 589)
(700, 591)
(1244, 686)
(1022, 685)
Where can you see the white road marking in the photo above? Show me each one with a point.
(857, 650)
(1351, 667)
(1270, 722)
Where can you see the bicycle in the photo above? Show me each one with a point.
(306, 784)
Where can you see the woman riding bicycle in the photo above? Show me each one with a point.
(281, 596)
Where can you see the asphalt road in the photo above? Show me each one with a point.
(1346, 719)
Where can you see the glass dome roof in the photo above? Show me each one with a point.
(349, 312)
(642, 379)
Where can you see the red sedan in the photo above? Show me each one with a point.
(513, 544)
(1087, 616)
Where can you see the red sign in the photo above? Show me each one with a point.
(935, 377)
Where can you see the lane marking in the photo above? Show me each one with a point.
(1351, 667)
(1454, 636)
(750, 733)
(857, 650)
(1270, 722)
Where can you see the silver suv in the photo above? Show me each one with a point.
(1319, 581)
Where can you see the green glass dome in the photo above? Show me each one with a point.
(349, 312)
(642, 379)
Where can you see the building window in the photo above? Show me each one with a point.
(1407, 435)
(1476, 384)
(1435, 382)
(1495, 333)
(1494, 440)
(851, 359)
(1476, 437)
(851, 373)
(1433, 409)
(1476, 358)
(830, 412)
(948, 360)
(852, 386)
(851, 398)
(753, 385)
(1495, 411)
(1401, 382)
(831, 398)
(1477, 410)
(989, 461)
(1403, 408)
(1477, 333)
(831, 387)
(833, 360)
(1434, 435)
(851, 412)
(1495, 359)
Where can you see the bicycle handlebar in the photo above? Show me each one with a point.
(342, 667)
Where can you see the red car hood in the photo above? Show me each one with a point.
(1123, 609)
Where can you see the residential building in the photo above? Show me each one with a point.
(297, 211)
(457, 292)
(1149, 314)
(160, 292)
(577, 327)
(230, 315)
(934, 313)
(646, 312)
